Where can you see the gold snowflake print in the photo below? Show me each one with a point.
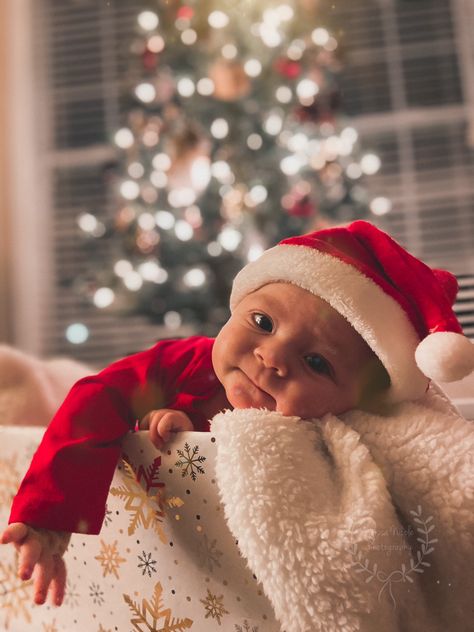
(50, 627)
(209, 554)
(15, 595)
(102, 629)
(145, 509)
(214, 606)
(190, 462)
(110, 559)
(245, 627)
(153, 616)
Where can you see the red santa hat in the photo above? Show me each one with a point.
(400, 306)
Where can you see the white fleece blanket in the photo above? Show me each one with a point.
(357, 523)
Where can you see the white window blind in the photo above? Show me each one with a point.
(404, 88)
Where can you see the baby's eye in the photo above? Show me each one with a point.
(263, 322)
(318, 364)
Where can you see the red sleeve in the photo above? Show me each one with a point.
(67, 484)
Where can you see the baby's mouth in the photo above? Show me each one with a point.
(270, 401)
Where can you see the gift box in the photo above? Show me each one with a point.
(164, 561)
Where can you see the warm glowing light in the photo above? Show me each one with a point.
(291, 165)
(214, 248)
(186, 87)
(253, 67)
(145, 92)
(129, 190)
(205, 86)
(273, 124)
(148, 20)
(159, 179)
(218, 19)
(254, 141)
(172, 320)
(183, 196)
(200, 173)
(320, 37)
(189, 37)
(146, 221)
(307, 90)
(380, 206)
(77, 333)
(184, 231)
(122, 268)
(161, 161)
(87, 222)
(156, 44)
(152, 271)
(230, 238)
(255, 251)
(195, 277)
(164, 220)
(354, 171)
(103, 297)
(283, 94)
(136, 170)
(133, 281)
(370, 164)
(229, 51)
(124, 138)
(258, 193)
(220, 128)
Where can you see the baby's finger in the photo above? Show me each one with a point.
(58, 583)
(43, 577)
(30, 553)
(15, 532)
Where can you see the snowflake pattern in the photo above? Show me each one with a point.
(152, 616)
(14, 596)
(147, 564)
(102, 629)
(72, 596)
(96, 593)
(214, 606)
(190, 461)
(208, 553)
(109, 558)
(146, 510)
(245, 627)
(107, 517)
(50, 627)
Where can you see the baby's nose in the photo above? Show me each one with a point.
(272, 358)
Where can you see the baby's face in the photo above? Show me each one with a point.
(287, 350)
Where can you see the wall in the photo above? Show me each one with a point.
(5, 202)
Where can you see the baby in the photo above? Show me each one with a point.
(322, 323)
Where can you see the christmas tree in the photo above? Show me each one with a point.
(232, 138)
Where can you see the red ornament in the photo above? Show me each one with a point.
(185, 13)
(302, 207)
(149, 60)
(288, 68)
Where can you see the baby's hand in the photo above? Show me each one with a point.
(162, 423)
(40, 551)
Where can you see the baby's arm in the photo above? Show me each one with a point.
(40, 551)
(162, 423)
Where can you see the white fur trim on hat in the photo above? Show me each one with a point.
(445, 356)
(375, 315)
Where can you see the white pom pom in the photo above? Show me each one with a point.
(445, 356)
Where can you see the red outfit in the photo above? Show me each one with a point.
(67, 484)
